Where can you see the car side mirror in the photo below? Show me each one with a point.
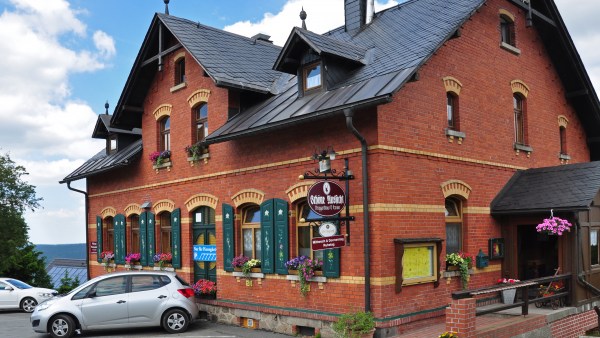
(9, 288)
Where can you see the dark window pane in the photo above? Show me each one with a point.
(453, 237)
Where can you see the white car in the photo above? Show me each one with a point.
(119, 300)
(15, 294)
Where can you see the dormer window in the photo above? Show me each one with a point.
(311, 74)
(111, 144)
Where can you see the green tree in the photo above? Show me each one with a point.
(67, 283)
(18, 257)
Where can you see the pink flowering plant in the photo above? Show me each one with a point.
(205, 287)
(107, 256)
(162, 258)
(306, 270)
(554, 226)
(239, 261)
(507, 281)
(133, 258)
(157, 157)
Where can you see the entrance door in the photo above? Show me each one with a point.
(537, 253)
(204, 234)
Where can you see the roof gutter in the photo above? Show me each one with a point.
(87, 252)
(317, 115)
(534, 211)
(349, 114)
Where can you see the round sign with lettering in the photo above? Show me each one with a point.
(327, 229)
(326, 198)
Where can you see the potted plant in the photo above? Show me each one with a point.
(205, 289)
(462, 261)
(195, 151)
(508, 296)
(108, 259)
(238, 262)
(250, 266)
(158, 158)
(554, 226)
(306, 269)
(355, 324)
(132, 259)
(162, 259)
(448, 334)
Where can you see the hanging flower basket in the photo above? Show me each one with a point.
(554, 226)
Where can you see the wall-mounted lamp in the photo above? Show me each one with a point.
(146, 205)
(324, 157)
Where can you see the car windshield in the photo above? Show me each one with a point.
(18, 284)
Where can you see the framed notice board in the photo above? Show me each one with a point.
(417, 261)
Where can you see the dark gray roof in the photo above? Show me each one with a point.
(562, 188)
(230, 59)
(102, 162)
(401, 39)
(103, 128)
(76, 268)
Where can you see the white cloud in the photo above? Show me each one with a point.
(322, 16)
(104, 43)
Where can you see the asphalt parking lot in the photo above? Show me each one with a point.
(14, 324)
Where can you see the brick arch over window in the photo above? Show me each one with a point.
(164, 205)
(201, 200)
(108, 211)
(503, 12)
(452, 85)
(132, 209)
(562, 121)
(200, 95)
(519, 87)
(178, 57)
(457, 188)
(298, 191)
(248, 196)
(162, 110)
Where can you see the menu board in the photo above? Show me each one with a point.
(417, 262)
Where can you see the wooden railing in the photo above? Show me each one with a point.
(525, 287)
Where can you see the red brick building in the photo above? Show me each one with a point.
(434, 104)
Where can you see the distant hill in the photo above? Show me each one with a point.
(52, 251)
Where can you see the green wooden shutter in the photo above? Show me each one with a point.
(119, 239)
(150, 240)
(266, 234)
(176, 237)
(331, 260)
(228, 237)
(143, 238)
(99, 237)
(281, 236)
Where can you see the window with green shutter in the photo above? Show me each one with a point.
(120, 239)
(267, 235)
(176, 237)
(146, 238)
(99, 237)
(274, 223)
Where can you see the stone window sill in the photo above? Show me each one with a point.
(564, 158)
(203, 157)
(453, 134)
(450, 274)
(510, 48)
(178, 87)
(317, 279)
(163, 165)
(521, 147)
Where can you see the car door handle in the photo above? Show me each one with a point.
(121, 302)
(162, 296)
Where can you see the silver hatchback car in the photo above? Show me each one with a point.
(119, 300)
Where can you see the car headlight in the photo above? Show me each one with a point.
(43, 306)
(45, 294)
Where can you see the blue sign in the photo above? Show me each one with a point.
(205, 253)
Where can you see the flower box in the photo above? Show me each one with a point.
(167, 165)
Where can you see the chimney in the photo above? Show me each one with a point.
(355, 12)
(261, 37)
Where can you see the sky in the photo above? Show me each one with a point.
(64, 59)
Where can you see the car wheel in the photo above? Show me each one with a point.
(28, 304)
(62, 326)
(175, 321)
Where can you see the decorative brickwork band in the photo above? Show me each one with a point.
(298, 190)
(164, 205)
(248, 196)
(200, 95)
(162, 110)
(503, 12)
(108, 211)
(456, 187)
(562, 121)
(520, 87)
(200, 200)
(133, 209)
(452, 85)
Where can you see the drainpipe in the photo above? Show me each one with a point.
(87, 251)
(349, 114)
(580, 273)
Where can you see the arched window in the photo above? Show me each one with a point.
(164, 230)
(134, 223)
(454, 225)
(201, 116)
(109, 235)
(180, 71)
(507, 30)
(306, 233)
(165, 133)
(519, 111)
(251, 240)
(452, 110)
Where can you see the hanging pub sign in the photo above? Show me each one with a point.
(327, 229)
(326, 198)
